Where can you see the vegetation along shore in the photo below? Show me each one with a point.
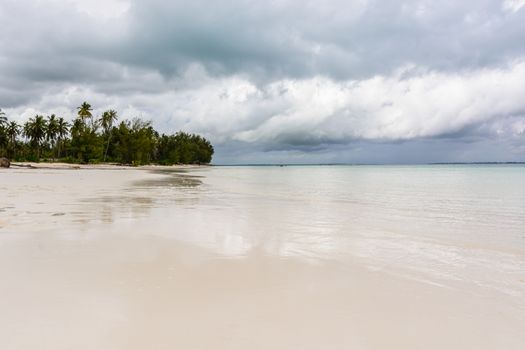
(88, 139)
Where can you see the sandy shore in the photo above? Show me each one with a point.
(101, 166)
(95, 260)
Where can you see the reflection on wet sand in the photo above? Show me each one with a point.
(174, 178)
(139, 197)
(39, 199)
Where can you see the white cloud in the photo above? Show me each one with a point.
(410, 104)
(513, 5)
(320, 110)
(100, 9)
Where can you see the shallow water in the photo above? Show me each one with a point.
(270, 257)
(441, 224)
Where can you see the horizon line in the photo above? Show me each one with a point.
(371, 164)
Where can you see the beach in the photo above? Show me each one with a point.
(262, 257)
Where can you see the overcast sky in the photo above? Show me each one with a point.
(282, 81)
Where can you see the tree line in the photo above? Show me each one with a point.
(88, 139)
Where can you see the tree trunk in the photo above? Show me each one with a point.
(107, 148)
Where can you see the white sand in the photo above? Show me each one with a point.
(84, 266)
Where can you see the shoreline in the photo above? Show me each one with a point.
(101, 166)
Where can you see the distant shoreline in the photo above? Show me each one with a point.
(371, 164)
(477, 163)
(116, 166)
(100, 166)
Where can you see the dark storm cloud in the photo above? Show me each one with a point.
(340, 39)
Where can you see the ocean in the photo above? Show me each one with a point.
(443, 223)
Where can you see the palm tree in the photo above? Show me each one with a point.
(62, 130)
(3, 118)
(107, 120)
(51, 130)
(77, 127)
(84, 111)
(35, 130)
(3, 135)
(13, 130)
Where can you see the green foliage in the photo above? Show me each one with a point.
(90, 140)
(84, 111)
(12, 130)
(35, 130)
(184, 148)
(3, 132)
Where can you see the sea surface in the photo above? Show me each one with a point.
(439, 223)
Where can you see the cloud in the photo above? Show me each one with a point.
(513, 5)
(429, 104)
(409, 104)
(100, 9)
(338, 39)
(301, 78)
(294, 39)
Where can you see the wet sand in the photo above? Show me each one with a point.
(88, 260)
(100, 166)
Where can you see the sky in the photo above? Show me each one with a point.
(278, 81)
